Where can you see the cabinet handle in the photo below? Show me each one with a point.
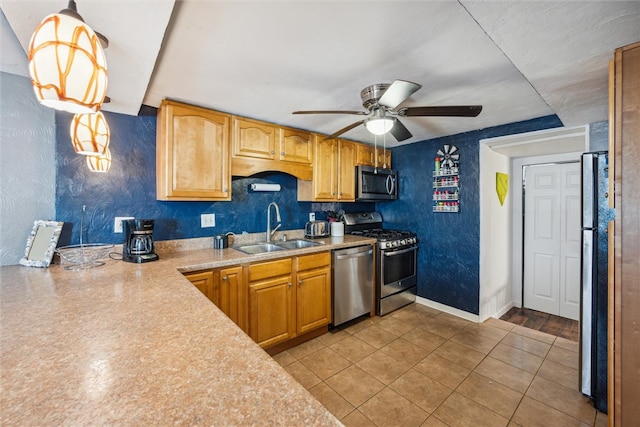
(224, 278)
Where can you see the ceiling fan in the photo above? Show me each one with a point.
(381, 100)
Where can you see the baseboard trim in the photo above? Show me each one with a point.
(449, 310)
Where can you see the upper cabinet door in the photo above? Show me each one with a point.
(325, 169)
(192, 161)
(253, 139)
(296, 146)
(346, 171)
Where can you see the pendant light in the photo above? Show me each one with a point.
(90, 134)
(67, 64)
(99, 163)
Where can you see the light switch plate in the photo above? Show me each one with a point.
(207, 220)
(312, 216)
(117, 223)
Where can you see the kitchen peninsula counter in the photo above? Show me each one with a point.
(137, 344)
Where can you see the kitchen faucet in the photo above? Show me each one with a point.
(269, 231)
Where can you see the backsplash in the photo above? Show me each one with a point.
(129, 189)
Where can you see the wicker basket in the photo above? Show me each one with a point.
(80, 257)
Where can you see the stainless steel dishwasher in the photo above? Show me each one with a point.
(352, 284)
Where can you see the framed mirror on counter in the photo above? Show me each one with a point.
(41, 243)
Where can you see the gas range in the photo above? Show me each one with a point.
(396, 260)
(388, 239)
(369, 224)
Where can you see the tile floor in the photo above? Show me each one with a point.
(421, 367)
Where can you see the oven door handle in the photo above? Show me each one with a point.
(404, 251)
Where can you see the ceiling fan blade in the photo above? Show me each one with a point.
(343, 130)
(452, 110)
(399, 131)
(397, 93)
(360, 113)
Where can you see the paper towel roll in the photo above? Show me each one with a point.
(265, 187)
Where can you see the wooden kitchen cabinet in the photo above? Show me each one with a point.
(260, 147)
(192, 153)
(367, 155)
(253, 139)
(203, 280)
(313, 295)
(226, 288)
(271, 302)
(289, 298)
(296, 146)
(334, 163)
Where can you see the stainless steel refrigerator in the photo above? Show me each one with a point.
(596, 215)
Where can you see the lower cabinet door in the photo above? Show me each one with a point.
(231, 299)
(271, 311)
(313, 299)
(205, 283)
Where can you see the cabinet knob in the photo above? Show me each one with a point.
(300, 282)
(273, 152)
(224, 190)
(290, 284)
(224, 278)
(282, 153)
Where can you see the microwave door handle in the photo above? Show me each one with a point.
(388, 184)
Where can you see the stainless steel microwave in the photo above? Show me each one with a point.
(376, 184)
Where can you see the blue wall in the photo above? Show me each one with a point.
(129, 189)
(449, 243)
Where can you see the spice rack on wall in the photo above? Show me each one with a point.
(446, 183)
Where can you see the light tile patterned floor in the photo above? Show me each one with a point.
(421, 367)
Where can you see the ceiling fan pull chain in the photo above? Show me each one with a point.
(384, 151)
(375, 154)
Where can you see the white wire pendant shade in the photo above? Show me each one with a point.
(99, 163)
(67, 65)
(90, 134)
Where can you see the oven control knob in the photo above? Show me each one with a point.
(394, 243)
(403, 242)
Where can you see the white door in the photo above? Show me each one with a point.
(552, 239)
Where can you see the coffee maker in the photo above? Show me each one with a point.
(138, 241)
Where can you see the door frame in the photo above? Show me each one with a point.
(501, 226)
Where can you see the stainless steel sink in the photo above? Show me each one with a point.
(298, 244)
(258, 248)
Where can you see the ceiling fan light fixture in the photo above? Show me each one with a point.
(67, 64)
(90, 134)
(379, 125)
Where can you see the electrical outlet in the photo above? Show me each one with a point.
(207, 220)
(312, 216)
(117, 223)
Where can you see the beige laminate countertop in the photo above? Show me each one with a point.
(137, 344)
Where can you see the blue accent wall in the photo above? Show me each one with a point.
(129, 189)
(449, 243)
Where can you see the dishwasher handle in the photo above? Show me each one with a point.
(355, 255)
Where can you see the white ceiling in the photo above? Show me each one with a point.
(265, 59)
